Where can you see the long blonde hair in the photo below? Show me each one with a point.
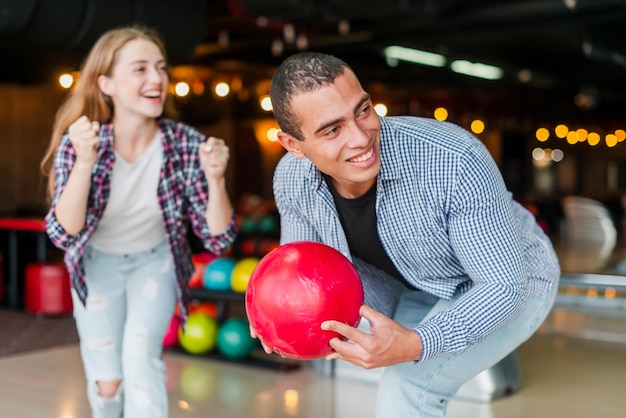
(87, 98)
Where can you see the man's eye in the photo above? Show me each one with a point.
(331, 131)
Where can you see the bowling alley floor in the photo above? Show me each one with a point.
(574, 367)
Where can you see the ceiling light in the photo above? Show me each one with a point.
(66, 80)
(182, 89)
(415, 56)
(477, 69)
(343, 27)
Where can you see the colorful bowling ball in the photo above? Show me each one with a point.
(268, 224)
(234, 340)
(200, 261)
(200, 334)
(248, 246)
(207, 308)
(217, 273)
(268, 245)
(171, 335)
(248, 226)
(241, 274)
(295, 288)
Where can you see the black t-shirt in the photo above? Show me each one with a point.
(358, 218)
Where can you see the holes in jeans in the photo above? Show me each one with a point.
(97, 303)
(140, 341)
(100, 345)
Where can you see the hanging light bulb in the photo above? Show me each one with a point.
(277, 47)
(223, 39)
(302, 42)
(343, 27)
(289, 33)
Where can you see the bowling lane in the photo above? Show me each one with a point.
(566, 374)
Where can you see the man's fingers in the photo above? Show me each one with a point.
(351, 333)
(254, 334)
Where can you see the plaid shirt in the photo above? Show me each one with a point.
(446, 221)
(182, 195)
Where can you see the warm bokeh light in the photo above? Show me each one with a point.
(381, 109)
(620, 134)
(181, 89)
(561, 131)
(538, 154)
(266, 133)
(548, 154)
(477, 126)
(266, 103)
(222, 89)
(292, 399)
(197, 87)
(66, 81)
(272, 134)
(610, 293)
(593, 139)
(441, 113)
(542, 134)
(611, 140)
(572, 137)
(582, 134)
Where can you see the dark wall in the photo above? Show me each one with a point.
(39, 35)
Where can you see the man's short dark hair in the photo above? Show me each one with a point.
(301, 73)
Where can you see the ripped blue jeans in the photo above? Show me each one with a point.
(121, 327)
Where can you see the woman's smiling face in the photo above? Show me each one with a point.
(138, 81)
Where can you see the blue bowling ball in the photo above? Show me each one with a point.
(234, 340)
(268, 224)
(217, 274)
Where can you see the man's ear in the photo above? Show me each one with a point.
(105, 85)
(290, 143)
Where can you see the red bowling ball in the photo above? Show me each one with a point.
(296, 287)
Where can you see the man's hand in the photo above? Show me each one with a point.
(389, 342)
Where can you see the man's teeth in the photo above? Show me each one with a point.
(363, 157)
(153, 95)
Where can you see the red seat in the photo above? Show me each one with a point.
(47, 289)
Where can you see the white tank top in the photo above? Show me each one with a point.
(132, 220)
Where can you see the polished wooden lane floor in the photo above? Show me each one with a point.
(575, 367)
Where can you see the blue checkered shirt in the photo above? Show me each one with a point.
(446, 221)
(182, 195)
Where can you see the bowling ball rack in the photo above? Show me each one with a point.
(258, 358)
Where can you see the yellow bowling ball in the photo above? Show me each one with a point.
(241, 274)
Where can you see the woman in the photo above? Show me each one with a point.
(125, 182)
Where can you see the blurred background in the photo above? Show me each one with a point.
(541, 83)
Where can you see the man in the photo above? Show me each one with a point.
(456, 273)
